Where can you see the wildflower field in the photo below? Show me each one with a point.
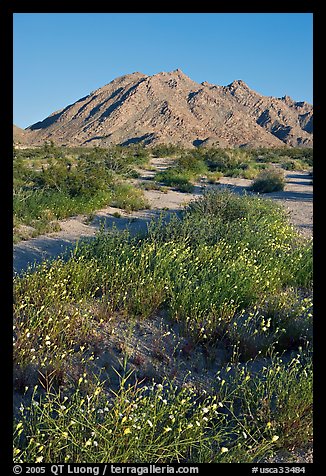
(225, 377)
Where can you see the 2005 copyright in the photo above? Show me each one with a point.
(17, 469)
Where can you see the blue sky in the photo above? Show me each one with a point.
(61, 57)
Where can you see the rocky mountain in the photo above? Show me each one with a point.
(20, 135)
(169, 107)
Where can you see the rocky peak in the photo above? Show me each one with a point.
(127, 78)
(175, 74)
(170, 107)
(238, 88)
(208, 85)
(238, 83)
(179, 73)
(288, 100)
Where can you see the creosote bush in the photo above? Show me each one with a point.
(269, 180)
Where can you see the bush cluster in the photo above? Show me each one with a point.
(49, 187)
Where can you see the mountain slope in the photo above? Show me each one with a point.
(20, 135)
(169, 107)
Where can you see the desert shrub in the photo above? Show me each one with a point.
(303, 156)
(185, 187)
(191, 164)
(270, 156)
(140, 154)
(128, 197)
(175, 178)
(269, 180)
(250, 173)
(150, 185)
(165, 150)
(213, 177)
(261, 166)
(228, 206)
(291, 164)
(228, 160)
(236, 172)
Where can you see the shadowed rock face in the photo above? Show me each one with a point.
(169, 107)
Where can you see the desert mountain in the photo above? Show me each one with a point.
(169, 107)
(20, 135)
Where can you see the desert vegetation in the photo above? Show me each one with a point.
(213, 163)
(51, 183)
(268, 181)
(232, 281)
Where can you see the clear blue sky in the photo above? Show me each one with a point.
(61, 57)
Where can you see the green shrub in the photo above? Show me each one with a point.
(269, 180)
(165, 150)
(175, 178)
(223, 160)
(214, 177)
(250, 173)
(291, 164)
(193, 165)
(150, 185)
(128, 197)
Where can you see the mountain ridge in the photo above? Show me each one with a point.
(169, 107)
